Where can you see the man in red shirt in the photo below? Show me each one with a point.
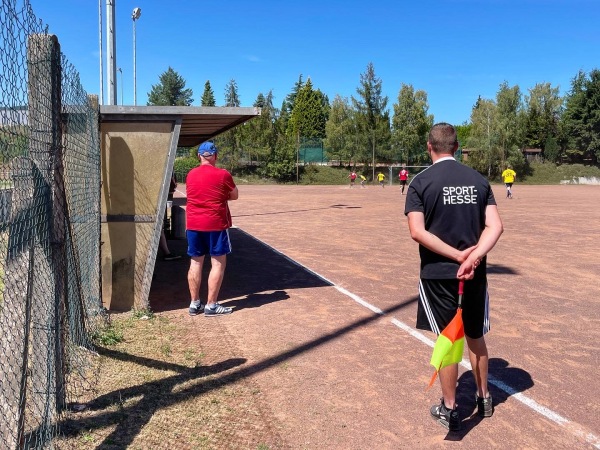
(207, 228)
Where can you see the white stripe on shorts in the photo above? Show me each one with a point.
(229, 241)
(425, 303)
(486, 313)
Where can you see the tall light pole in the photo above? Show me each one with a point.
(137, 12)
(101, 56)
(111, 50)
(121, 72)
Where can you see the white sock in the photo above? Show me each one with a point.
(196, 303)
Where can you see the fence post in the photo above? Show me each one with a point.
(45, 120)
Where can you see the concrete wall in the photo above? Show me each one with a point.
(136, 161)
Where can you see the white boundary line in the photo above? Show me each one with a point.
(576, 429)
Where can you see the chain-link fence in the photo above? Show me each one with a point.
(49, 231)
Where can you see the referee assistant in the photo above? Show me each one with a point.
(452, 214)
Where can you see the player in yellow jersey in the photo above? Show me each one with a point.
(380, 178)
(509, 176)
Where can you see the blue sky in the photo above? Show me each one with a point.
(455, 50)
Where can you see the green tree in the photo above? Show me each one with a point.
(229, 143)
(232, 97)
(170, 91)
(410, 125)
(373, 118)
(259, 134)
(208, 96)
(543, 110)
(342, 137)
(309, 115)
(463, 133)
(581, 118)
(510, 128)
(485, 151)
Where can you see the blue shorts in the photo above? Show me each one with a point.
(213, 243)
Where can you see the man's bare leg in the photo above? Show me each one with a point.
(448, 378)
(478, 355)
(195, 277)
(215, 278)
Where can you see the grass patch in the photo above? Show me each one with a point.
(108, 335)
(549, 173)
(142, 313)
(159, 387)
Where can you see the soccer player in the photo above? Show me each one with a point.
(509, 176)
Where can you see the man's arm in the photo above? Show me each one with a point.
(233, 195)
(491, 233)
(416, 225)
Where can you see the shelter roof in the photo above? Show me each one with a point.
(198, 123)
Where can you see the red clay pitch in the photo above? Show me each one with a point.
(309, 260)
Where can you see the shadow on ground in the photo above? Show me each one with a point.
(168, 391)
(254, 270)
(504, 381)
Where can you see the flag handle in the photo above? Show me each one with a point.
(461, 289)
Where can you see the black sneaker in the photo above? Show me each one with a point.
(485, 406)
(196, 308)
(448, 418)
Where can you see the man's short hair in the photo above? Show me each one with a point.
(442, 138)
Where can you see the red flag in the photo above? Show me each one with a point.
(450, 343)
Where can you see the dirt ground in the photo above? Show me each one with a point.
(323, 281)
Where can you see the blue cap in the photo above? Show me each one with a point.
(207, 149)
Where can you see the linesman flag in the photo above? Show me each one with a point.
(450, 343)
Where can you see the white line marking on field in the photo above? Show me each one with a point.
(573, 427)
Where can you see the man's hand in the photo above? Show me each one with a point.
(463, 255)
(466, 271)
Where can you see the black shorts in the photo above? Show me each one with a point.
(403, 182)
(438, 300)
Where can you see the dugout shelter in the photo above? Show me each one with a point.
(138, 146)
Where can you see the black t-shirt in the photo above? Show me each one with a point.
(453, 198)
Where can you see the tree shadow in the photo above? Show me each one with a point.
(500, 374)
(167, 392)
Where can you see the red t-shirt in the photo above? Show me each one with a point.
(208, 189)
(403, 174)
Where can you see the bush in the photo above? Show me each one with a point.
(183, 166)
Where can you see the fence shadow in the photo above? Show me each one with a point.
(253, 270)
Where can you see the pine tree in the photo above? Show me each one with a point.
(208, 96)
(373, 118)
(170, 91)
(229, 142)
(231, 94)
(309, 116)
